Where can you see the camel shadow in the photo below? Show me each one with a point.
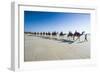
(67, 41)
(46, 38)
(55, 39)
(61, 40)
(81, 41)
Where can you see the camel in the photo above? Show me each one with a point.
(54, 33)
(41, 33)
(78, 35)
(49, 33)
(37, 33)
(62, 34)
(34, 33)
(70, 34)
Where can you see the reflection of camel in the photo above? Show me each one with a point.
(78, 35)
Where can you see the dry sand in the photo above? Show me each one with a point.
(42, 49)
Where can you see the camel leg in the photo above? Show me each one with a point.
(67, 38)
(73, 37)
(79, 38)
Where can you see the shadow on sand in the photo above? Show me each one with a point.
(61, 40)
(81, 41)
(67, 41)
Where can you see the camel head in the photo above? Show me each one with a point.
(83, 32)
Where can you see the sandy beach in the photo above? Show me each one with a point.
(56, 48)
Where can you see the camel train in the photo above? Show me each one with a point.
(74, 36)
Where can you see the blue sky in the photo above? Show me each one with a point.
(38, 21)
